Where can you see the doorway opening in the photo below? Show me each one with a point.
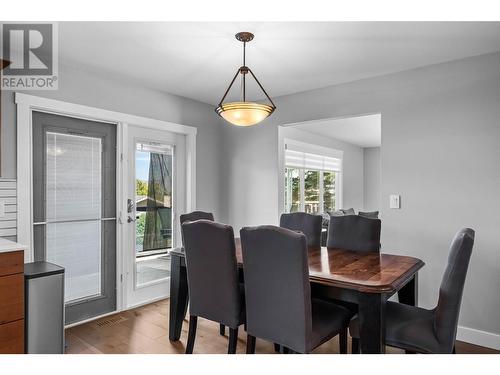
(330, 165)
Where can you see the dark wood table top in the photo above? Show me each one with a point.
(368, 272)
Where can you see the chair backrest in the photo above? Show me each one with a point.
(354, 232)
(193, 216)
(196, 215)
(308, 224)
(369, 214)
(277, 290)
(212, 271)
(451, 290)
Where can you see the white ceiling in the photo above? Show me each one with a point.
(197, 60)
(362, 131)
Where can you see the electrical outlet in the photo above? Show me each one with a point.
(394, 201)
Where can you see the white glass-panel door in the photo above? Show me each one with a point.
(156, 194)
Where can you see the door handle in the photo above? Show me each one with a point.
(130, 205)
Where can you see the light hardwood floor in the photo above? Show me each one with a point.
(145, 331)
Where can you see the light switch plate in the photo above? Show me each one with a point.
(394, 201)
(2, 209)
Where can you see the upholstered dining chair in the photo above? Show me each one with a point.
(306, 223)
(279, 307)
(193, 216)
(354, 232)
(419, 330)
(212, 274)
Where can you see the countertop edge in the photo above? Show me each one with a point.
(7, 246)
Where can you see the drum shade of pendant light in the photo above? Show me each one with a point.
(244, 113)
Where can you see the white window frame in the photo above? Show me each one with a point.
(322, 191)
(313, 149)
(338, 178)
(302, 190)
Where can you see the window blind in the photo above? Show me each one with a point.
(298, 159)
(73, 174)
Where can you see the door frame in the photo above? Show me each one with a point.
(26, 104)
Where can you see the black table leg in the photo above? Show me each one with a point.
(372, 323)
(409, 293)
(178, 298)
(250, 344)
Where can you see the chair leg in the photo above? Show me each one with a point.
(233, 340)
(343, 341)
(222, 329)
(454, 349)
(250, 344)
(355, 346)
(277, 348)
(193, 320)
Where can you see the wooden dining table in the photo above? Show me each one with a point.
(365, 279)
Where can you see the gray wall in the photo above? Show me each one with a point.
(440, 151)
(88, 88)
(371, 178)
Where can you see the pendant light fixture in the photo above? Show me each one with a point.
(244, 113)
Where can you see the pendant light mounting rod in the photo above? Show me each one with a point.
(244, 37)
(243, 73)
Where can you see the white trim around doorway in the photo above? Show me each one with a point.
(26, 104)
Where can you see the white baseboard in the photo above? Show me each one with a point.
(477, 337)
(147, 302)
